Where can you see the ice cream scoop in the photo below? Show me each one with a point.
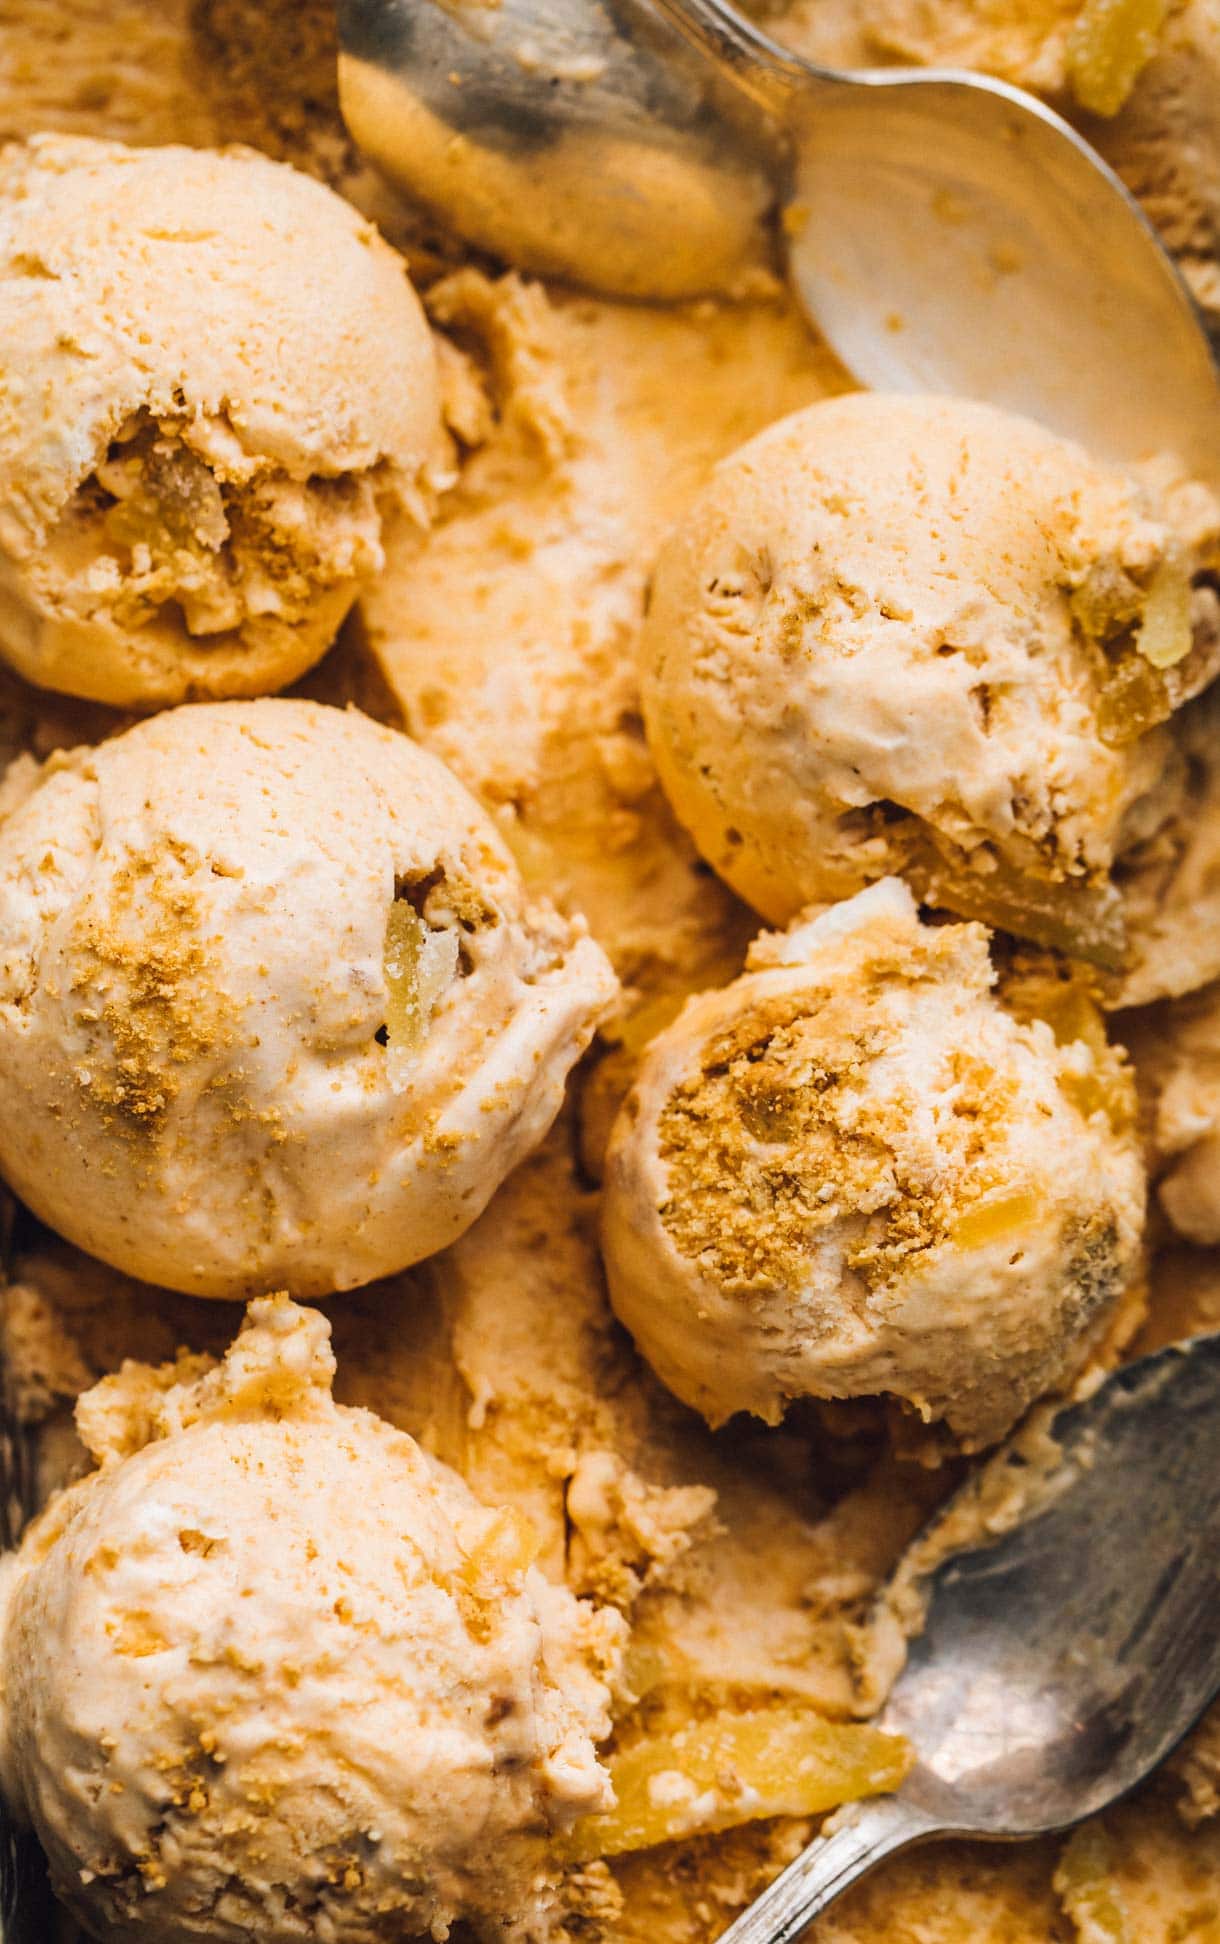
(274, 1006)
(922, 635)
(273, 1671)
(857, 1172)
(942, 228)
(216, 385)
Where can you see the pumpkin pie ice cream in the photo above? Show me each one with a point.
(270, 1670)
(920, 635)
(274, 1006)
(855, 1172)
(216, 387)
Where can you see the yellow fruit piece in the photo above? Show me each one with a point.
(737, 1768)
(1139, 690)
(167, 500)
(1110, 44)
(1135, 698)
(1074, 1017)
(1165, 636)
(996, 1218)
(419, 964)
(1085, 1886)
(1082, 920)
(1111, 1093)
(502, 1556)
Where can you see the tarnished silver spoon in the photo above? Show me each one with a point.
(945, 231)
(1066, 1649)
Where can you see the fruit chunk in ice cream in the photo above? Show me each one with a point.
(216, 383)
(1110, 44)
(856, 1172)
(274, 1006)
(272, 1671)
(922, 636)
(735, 1766)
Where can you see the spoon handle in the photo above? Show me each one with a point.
(863, 1835)
(747, 57)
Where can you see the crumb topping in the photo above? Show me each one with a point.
(145, 989)
(784, 1134)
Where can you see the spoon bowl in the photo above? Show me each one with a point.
(1068, 1595)
(949, 234)
(945, 232)
(591, 143)
(1060, 1663)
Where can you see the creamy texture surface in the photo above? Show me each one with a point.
(273, 1670)
(924, 635)
(217, 385)
(273, 999)
(509, 640)
(852, 1172)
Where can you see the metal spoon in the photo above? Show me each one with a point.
(1063, 1657)
(946, 232)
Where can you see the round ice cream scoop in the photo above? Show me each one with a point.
(942, 228)
(274, 1007)
(857, 1172)
(216, 384)
(920, 635)
(272, 1671)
